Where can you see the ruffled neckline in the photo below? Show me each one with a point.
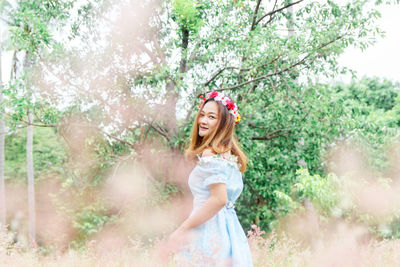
(231, 159)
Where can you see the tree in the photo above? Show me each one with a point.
(3, 5)
(2, 155)
(30, 24)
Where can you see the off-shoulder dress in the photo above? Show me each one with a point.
(220, 241)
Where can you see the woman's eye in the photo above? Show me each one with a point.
(212, 117)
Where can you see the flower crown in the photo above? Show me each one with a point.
(229, 104)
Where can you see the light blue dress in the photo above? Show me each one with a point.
(220, 241)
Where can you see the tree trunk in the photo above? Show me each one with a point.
(290, 21)
(31, 182)
(185, 45)
(172, 96)
(2, 155)
(29, 159)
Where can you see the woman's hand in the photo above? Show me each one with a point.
(173, 243)
(177, 239)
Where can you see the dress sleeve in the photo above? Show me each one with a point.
(213, 171)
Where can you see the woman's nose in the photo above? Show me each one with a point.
(202, 120)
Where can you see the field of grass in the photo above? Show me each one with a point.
(344, 246)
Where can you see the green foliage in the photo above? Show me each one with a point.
(89, 221)
(49, 154)
(369, 94)
(30, 23)
(302, 132)
(338, 197)
(186, 14)
(373, 107)
(322, 191)
(162, 192)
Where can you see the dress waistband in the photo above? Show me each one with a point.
(228, 205)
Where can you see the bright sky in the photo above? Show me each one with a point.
(382, 59)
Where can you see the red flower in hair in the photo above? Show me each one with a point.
(230, 105)
(213, 94)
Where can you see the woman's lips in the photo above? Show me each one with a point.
(203, 128)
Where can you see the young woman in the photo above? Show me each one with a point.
(212, 234)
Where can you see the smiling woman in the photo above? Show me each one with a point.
(213, 129)
(208, 118)
(212, 234)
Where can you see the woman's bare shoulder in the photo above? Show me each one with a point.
(207, 152)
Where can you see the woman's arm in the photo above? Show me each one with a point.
(217, 200)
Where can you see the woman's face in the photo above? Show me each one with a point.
(208, 118)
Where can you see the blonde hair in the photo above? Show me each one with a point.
(220, 141)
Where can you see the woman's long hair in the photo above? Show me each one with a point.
(220, 141)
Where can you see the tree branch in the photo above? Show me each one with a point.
(149, 53)
(269, 137)
(159, 130)
(246, 181)
(243, 69)
(265, 76)
(256, 126)
(116, 138)
(271, 17)
(253, 24)
(274, 134)
(74, 124)
(280, 71)
(278, 10)
(214, 76)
